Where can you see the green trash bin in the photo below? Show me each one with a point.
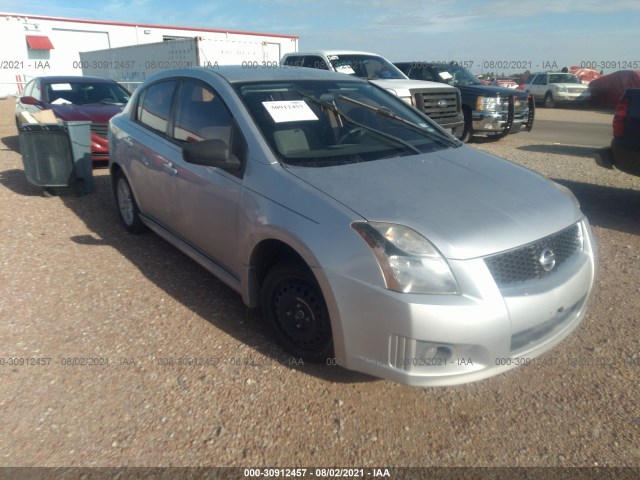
(57, 157)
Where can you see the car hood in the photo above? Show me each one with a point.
(467, 203)
(398, 85)
(489, 90)
(95, 112)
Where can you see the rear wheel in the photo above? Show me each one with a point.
(295, 311)
(127, 206)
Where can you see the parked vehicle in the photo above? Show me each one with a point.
(370, 238)
(488, 110)
(557, 88)
(77, 98)
(132, 64)
(624, 152)
(440, 103)
(505, 82)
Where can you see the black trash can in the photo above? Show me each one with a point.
(58, 157)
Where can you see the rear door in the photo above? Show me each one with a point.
(150, 150)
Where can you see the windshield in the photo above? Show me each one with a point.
(563, 78)
(454, 75)
(83, 93)
(322, 123)
(370, 67)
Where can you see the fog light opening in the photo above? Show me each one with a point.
(433, 351)
(444, 353)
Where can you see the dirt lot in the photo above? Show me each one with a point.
(74, 285)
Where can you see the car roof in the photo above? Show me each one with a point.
(74, 79)
(332, 52)
(420, 63)
(237, 74)
(553, 73)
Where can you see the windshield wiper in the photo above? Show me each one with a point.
(340, 113)
(385, 112)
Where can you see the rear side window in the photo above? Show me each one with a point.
(155, 107)
(308, 61)
(201, 115)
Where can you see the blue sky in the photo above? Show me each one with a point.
(535, 33)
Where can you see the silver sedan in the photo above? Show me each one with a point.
(369, 237)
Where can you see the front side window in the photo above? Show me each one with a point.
(36, 92)
(322, 123)
(540, 80)
(201, 115)
(155, 106)
(28, 90)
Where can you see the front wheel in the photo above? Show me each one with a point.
(467, 133)
(549, 102)
(127, 206)
(295, 311)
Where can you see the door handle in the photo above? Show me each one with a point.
(169, 168)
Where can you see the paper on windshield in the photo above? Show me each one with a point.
(61, 86)
(345, 69)
(289, 111)
(445, 75)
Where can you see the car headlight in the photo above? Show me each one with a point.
(488, 104)
(408, 100)
(561, 88)
(409, 262)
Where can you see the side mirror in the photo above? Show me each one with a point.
(30, 101)
(211, 153)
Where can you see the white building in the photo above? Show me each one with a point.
(35, 45)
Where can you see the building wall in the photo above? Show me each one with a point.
(19, 63)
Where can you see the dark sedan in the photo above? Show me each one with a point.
(73, 98)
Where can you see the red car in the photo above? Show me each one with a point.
(77, 98)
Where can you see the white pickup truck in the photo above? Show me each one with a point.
(440, 102)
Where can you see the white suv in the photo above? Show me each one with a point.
(553, 88)
(440, 102)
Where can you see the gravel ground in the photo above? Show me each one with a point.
(73, 284)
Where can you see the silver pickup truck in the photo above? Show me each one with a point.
(440, 102)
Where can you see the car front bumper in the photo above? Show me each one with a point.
(493, 122)
(432, 340)
(566, 97)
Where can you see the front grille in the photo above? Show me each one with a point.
(523, 263)
(100, 129)
(575, 90)
(438, 104)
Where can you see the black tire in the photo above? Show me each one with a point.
(467, 133)
(127, 206)
(549, 102)
(295, 311)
